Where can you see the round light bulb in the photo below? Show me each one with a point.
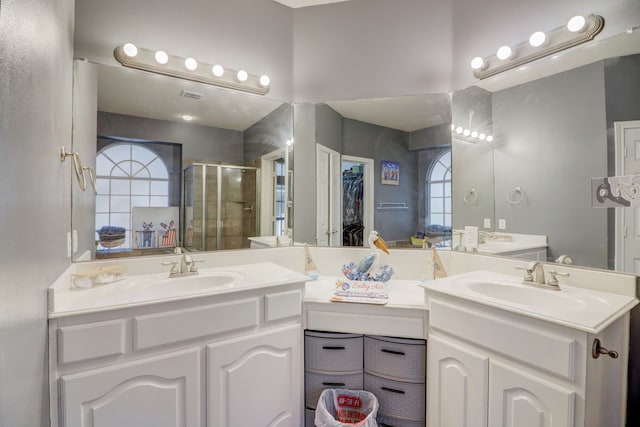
(289, 142)
(459, 129)
(191, 64)
(478, 63)
(264, 81)
(474, 134)
(577, 24)
(217, 70)
(504, 52)
(537, 39)
(466, 132)
(130, 50)
(242, 76)
(187, 118)
(162, 57)
(482, 137)
(489, 138)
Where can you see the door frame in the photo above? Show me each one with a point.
(267, 185)
(620, 214)
(335, 193)
(367, 196)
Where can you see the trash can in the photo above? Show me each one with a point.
(338, 407)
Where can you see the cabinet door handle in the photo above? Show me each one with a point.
(392, 390)
(331, 347)
(401, 353)
(334, 384)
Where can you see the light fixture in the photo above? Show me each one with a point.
(187, 118)
(161, 57)
(538, 39)
(504, 53)
(580, 29)
(191, 64)
(470, 135)
(242, 76)
(190, 69)
(217, 70)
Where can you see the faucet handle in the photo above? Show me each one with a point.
(528, 273)
(193, 268)
(174, 266)
(553, 280)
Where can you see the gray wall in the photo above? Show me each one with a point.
(550, 141)
(304, 174)
(269, 134)
(199, 143)
(35, 121)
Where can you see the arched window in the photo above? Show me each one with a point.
(439, 190)
(128, 175)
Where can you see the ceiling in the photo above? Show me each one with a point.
(142, 94)
(304, 3)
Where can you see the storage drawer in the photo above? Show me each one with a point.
(333, 352)
(397, 399)
(316, 382)
(309, 417)
(399, 358)
(385, 421)
(91, 341)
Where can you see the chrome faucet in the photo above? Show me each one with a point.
(187, 266)
(534, 276)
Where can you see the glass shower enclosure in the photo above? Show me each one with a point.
(220, 206)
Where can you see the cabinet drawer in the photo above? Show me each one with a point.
(282, 305)
(397, 399)
(315, 383)
(91, 341)
(547, 349)
(333, 352)
(385, 421)
(180, 325)
(399, 358)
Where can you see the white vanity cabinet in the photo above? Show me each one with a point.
(489, 368)
(224, 360)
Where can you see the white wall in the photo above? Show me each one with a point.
(36, 39)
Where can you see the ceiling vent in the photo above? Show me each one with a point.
(192, 95)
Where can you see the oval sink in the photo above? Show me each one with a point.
(532, 297)
(199, 282)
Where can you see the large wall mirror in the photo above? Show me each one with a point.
(554, 129)
(177, 163)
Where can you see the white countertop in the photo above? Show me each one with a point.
(578, 308)
(137, 290)
(402, 293)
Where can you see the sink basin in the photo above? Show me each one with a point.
(197, 282)
(528, 296)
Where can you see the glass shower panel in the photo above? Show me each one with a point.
(238, 208)
(210, 196)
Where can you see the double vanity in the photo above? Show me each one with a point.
(226, 346)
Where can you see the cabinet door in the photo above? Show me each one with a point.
(520, 400)
(161, 391)
(256, 380)
(456, 385)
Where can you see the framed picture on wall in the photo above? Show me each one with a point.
(390, 173)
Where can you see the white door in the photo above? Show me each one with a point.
(519, 400)
(628, 219)
(162, 391)
(256, 380)
(328, 205)
(456, 385)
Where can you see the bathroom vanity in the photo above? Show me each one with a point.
(218, 357)
(254, 344)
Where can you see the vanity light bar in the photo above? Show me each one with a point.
(579, 30)
(161, 62)
(470, 135)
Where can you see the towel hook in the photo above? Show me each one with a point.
(79, 169)
(471, 197)
(515, 196)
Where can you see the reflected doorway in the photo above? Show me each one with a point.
(357, 200)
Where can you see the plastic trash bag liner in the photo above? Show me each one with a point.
(341, 407)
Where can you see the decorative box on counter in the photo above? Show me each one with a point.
(98, 276)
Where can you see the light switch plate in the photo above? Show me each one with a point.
(502, 224)
(68, 244)
(487, 223)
